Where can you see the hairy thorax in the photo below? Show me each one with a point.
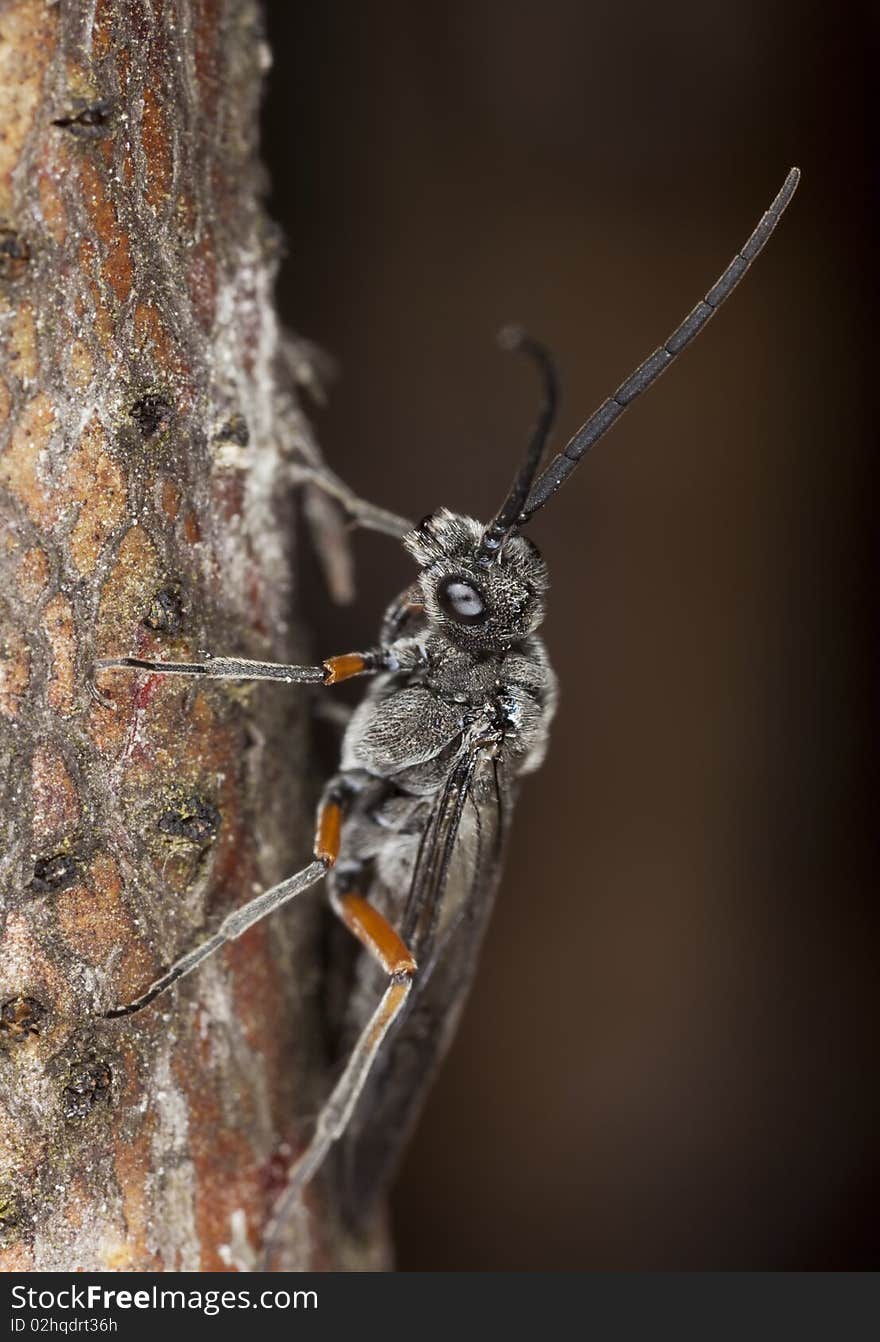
(411, 722)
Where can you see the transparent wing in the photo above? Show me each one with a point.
(450, 899)
(460, 845)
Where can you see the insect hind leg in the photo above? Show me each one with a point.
(384, 944)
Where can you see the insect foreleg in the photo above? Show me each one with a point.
(219, 668)
(330, 672)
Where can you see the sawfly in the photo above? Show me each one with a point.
(410, 830)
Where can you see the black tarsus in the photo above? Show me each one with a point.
(161, 983)
(647, 372)
(515, 338)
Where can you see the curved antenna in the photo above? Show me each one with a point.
(496, 533)
(610, 410)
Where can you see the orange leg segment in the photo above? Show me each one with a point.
(328, 832)
(375, 934)
(343, 667)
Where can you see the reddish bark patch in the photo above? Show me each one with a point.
(60, 630)
(170, 499)
(29, 35)
(20, 465)
(227, 1172)
(52, 205)
(133, 1164)
(56, 809)
(15, 670)
(95, 479)
(202, 281)
(156, 141)
(125, 596)
(116, 257)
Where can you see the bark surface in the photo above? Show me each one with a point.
(146, 431)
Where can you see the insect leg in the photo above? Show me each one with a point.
(404, 609)
(330, 672)
(330, 532)
(374, 933)
(326, 850)
(362, 513)
(219, 668)
(378, 937)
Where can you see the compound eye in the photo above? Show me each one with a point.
(461, 600)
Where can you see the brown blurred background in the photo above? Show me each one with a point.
(669, 1059)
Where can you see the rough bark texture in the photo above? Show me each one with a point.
(144, 438)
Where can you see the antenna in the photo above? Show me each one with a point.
(561, 467)
(515, 338)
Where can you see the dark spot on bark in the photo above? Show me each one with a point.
(274, 1174)
(151, 413)
(14, 254)
(89, 121)
(235, 430)
(193, 819)
(8, 1207)
(54, 873)
(166, 611)
(89, 1083)
(20, 1017)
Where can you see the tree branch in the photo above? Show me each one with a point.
(145, 435)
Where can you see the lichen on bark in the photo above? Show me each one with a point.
(145, 436)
